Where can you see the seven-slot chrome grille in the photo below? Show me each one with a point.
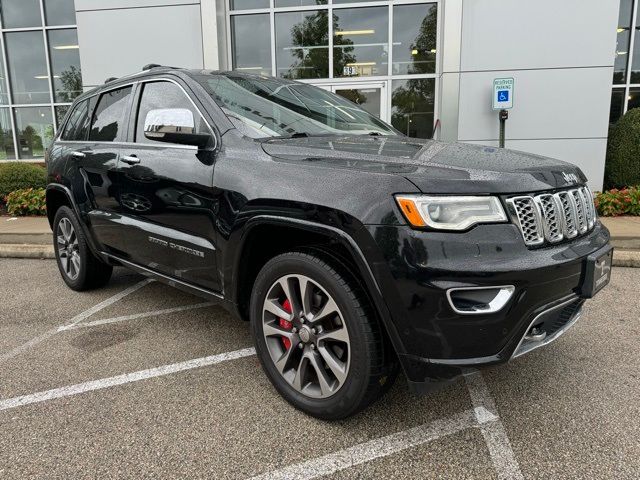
(553, 217)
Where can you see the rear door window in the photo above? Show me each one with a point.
(76, 127)
(109, 116)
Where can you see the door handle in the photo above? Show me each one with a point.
(77, 154)
(130, 159)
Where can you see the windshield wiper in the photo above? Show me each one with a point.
(375, 134)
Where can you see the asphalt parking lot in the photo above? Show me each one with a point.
(141, 380)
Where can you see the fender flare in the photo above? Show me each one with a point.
(366, 274)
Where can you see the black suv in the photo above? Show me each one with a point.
(353, 250)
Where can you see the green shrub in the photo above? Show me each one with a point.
(27, 201)
(623, 152)
(618, 202)
(18, 175)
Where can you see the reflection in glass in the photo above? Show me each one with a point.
(360, 41)
(635, 60)
(412, 106)
(4, 96)
(310, 31)
(624, 37)
(367, 99)
(20, 13)
(617, 105)
(251, 43)
(298, 3)
(59, 12)
(414, 38)
(109, 115)
(634, 98)
(7, 151)
(27, 67)
(61, 111)
(65, 64)
(35, 131)
(266, 107)
(248, 4)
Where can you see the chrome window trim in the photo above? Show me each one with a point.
(130, 144)
(99, 94)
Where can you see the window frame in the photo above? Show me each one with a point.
(331, 80)
(44, 27)
(628, 85)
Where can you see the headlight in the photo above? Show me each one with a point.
(450, 212)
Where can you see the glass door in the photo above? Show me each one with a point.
(371, 97)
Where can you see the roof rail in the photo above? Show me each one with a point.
(149, 66)
(110, 79)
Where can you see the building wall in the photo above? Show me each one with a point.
(118, 37)
(560, 53)
(561, 56)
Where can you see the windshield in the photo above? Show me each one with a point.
(265, 107)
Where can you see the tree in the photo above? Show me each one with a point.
(71, 80)
(313, 31)
(416, 98)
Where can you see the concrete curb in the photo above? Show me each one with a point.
(21, 250)
(626, 258)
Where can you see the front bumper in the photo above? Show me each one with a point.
(437, 343)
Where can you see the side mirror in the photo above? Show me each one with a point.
(174, 125)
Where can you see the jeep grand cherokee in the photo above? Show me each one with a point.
(353, 251)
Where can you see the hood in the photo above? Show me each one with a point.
(434, 167)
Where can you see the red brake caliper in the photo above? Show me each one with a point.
(286, 324)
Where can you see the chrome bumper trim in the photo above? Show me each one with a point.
(528, 347)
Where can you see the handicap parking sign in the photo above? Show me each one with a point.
(503, 93)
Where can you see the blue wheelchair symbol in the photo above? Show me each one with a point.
(503, 95)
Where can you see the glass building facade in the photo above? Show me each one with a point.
(380, 54)
(626, 74)
(39, 73)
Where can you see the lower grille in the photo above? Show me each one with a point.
(551, 218)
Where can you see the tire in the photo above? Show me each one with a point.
(78, 266)
(330, 366)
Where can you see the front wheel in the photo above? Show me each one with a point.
(317, 337)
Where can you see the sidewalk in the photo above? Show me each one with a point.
(25, 237)
(30, 237)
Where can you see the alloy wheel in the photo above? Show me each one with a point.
(68, 248)
(306, 336)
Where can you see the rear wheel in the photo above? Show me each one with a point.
(316, 337)
(79, 267)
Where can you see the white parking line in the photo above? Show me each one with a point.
(122, 379)
(78, 318)
(135, 316)
(377, 448)
(502, 456)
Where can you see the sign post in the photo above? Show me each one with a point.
(503, 101)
